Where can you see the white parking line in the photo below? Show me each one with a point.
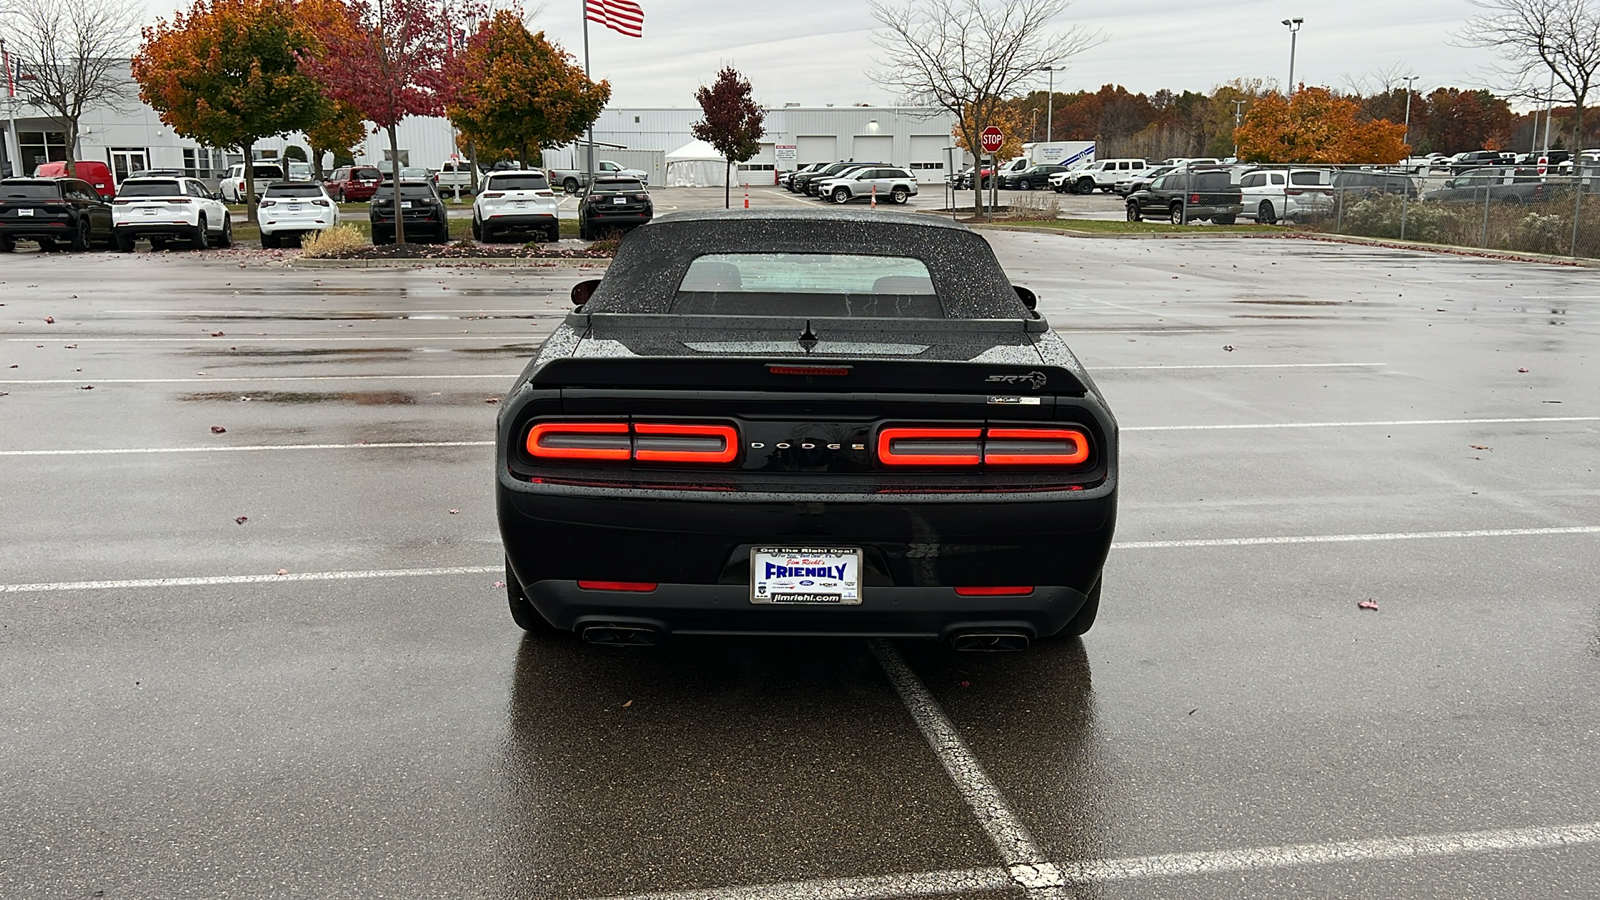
(1209, 862)
(1393, 423)
(205, 580)
(245, 378)
(246, 448)
(1024, 860)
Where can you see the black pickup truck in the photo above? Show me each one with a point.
(1188, 196)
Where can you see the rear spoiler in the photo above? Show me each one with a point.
(810, 374)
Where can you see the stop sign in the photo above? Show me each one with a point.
(992, 139)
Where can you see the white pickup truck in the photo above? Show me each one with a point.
(452, 175)
(574, 180)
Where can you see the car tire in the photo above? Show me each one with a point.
(1511, 200)
(523, 613)
(1265, 214)
(8, 244)
(202, 235)
(1025, 185)
(570, 185)
(444, 232)
(1084, 186)
(1227, 219)
(226, 238)
(84, 235)
(477, 229)
(584, 233)
(899, 196)
(841, 195)
(1134, 213)
(269, 241)
(553, 234)
(1178, 216)
(1083, 620)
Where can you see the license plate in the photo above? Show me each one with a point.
(294, 207)
(805, 575)
(405, 204)
(520, 204)
(24, 212)
(150, 210)
(619, 200)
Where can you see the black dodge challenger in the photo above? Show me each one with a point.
(805, 423)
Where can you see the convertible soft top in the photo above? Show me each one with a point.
(650, 266)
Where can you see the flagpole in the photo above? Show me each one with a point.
(589, 167)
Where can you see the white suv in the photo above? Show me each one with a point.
(261, 172)
(515, 201)
(169, 207)
(294, 208)
(1269, 195)
(1102, 173)
(892, 184)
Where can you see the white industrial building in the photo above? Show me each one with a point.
(134, 138)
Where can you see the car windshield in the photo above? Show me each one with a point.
(813, 284)
(294, 190)
(617, 187)
(39, 190)
(518, 183)
(150, 189)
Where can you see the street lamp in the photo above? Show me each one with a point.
(1238, 106)
(1294, 30)
(1049, 105)
(1409, 80)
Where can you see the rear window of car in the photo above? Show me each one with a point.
(294, 190)
(818, 284)
(1305, 178)
(150, 189)
(35, 191)
(365, 175)
(263, 172)
(518, 183)
(617, 187)
(1212, 181)
(412, 191)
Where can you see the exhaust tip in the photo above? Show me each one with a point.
(989, 641)
(622, 635)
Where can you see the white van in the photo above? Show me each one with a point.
(1102, 174)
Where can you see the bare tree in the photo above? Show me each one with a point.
(74, 54)
(969, 56)
(1541, 39)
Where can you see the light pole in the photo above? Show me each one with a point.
(13, 147)
(1294, 31)
(1049, 105)
(1409, 80)
(1238, 106)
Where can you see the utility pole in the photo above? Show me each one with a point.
(1294, 32)
(13, 147)
(1409, 80)
(1049, 106)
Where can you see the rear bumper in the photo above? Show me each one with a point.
(59, 228)
(298, 225)
(155, 229)
(520, 220)
(915, 552)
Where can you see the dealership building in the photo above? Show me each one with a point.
(133, 137)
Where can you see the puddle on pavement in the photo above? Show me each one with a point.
(1238, 316)
(1296, 302)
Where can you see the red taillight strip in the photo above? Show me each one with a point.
(888, 455)
(638, 586)
(1079, 454)
(993, 591)
(537, 433)
(727, 454)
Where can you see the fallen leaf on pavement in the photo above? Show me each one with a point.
(1523, 371)
(454, 511)
(498, 584)
(49, 320)
(628, 704)
(243, 519)
(283, 571)
(1228, 347)
(218, 429)
(491, 399)
(218, 333)
(87, 387)
(1480, 447)
(71, 347)
(1368, 604)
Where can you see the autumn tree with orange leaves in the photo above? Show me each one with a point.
(516, 93)
(1317, 127)
(228, 73)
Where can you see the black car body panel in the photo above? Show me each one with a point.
(1189, 196)
(51, 211)
(613, 204)
(810, 394)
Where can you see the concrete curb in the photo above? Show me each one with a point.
(523, 263)
(1142, 236)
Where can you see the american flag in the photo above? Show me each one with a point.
(622, 16)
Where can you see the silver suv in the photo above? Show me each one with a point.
(894, 184)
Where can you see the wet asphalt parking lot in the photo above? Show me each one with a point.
(180, 721)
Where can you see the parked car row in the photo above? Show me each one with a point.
(843, 182)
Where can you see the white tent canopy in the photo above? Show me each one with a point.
(697, 164)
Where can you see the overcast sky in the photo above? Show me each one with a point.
(820, 51)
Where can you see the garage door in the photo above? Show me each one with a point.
(873, 148)
(814, 148)
(759, 170)
(927, 156)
